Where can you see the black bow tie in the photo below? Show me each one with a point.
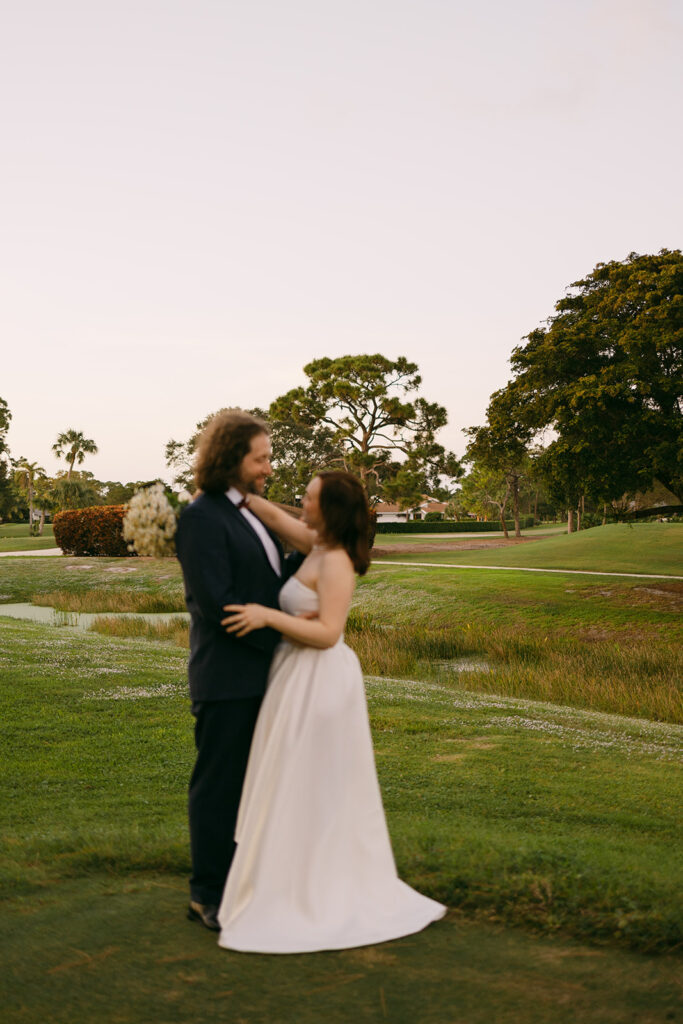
(244, 503)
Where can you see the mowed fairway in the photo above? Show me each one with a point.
(17, 537)
(551, 829)
(619, 547)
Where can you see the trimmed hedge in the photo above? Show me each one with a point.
(97, 530)
(450, 526)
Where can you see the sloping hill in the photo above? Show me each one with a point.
(618, 547)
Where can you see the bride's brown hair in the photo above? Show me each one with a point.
(345, 512)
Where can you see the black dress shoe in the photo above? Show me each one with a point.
(205, 913)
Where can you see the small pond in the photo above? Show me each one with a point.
(464, 665)
(80, 620)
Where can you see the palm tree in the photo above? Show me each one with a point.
(73, 446)
(26, 474)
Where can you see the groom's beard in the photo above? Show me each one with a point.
(251, 486)
(258, 486)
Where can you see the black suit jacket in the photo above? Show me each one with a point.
(224, 562)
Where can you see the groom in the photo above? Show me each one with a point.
(227, 557)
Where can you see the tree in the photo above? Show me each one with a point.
(45, 499)
(369, 405)
(5, 419)
(74, 447)
(26, 474)
(179, 455)
(534, 490)
(7, 489)
(489, 454)
(606, 374)
(484, 487)
(501, 447)
(456, 507)
(299, 451)
(78, 490)
(114, 492)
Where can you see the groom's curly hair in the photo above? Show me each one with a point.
(222, 445)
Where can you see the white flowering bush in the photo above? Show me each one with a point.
(150, 523)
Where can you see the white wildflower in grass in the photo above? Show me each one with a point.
(138, 692)
(150, 523)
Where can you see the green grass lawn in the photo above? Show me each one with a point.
(16, 537)
(561, 822)
(541, 530)
(118, 950)
(550, 829)
(618, 547)
(610, 645)
(131, 579)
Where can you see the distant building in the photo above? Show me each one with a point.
(389, 512)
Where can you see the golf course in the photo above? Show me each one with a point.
(528, 738)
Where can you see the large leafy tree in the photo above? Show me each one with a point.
(300, 450)
(73, 446)
(606, 374)
(375, 417)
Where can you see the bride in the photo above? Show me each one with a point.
(314, 869)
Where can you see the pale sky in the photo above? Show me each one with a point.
(200, 196)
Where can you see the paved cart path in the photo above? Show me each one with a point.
(519, 568)
(37, 553)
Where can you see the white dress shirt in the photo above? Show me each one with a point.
(235, 497)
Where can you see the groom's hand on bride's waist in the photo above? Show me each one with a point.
(244, 618)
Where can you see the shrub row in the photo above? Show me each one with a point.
(451, 526)
(91, 531)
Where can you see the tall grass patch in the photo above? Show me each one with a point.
(175, 631)
(108, 600)
(625, 677)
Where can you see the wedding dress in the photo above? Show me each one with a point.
(314, 869)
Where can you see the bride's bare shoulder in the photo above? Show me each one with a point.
(335, 561)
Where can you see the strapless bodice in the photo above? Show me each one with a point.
(295, 597)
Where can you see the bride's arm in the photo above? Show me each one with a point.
(290, 529)
(335, 590)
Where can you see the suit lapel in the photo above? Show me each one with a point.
(244, 523)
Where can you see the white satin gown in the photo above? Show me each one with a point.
(314, 869)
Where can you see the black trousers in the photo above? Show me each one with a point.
(223, 733)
